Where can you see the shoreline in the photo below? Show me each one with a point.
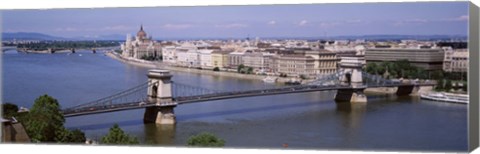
(157, 65)
(60, 51)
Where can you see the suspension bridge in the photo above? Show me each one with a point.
(8, 48)
(159, 95)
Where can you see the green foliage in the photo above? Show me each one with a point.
(59, 45)
(249, 70)
(216, 69)
(465, 86)
(448, 85)
(150, 58)
(45, 120)
(436, 75)
(9, 110)
(118, 51)
(68, 136)
(440, 84)
(240, 68)
(372, 68)
(117, 136)
(205, 140)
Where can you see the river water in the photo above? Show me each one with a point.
(303, 121)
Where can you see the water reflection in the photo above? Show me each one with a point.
(352, 116)
(159, 134)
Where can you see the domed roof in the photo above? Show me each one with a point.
(141, 33)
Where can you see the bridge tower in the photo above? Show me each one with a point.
(351, 67)
(160, 93)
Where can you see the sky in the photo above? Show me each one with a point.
(301, 20)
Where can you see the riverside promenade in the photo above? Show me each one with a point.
(160, 65)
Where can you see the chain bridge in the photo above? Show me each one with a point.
(8, 48)
(159, 95)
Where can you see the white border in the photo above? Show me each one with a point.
(49, 4)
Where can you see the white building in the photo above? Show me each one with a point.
(193, 58)
(169, 54)
(456, 60)
(182, 58)
(205, 58)
(235, 59)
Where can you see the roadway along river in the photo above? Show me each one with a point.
(307, 120)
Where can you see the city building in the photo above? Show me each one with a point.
(141, 46)
(235, 59)
(426, 58)
(182, 57)
(169, 54)
(205, 57)
(296, 65)
(220, 58)
(193, 58)
(456, 60)
(253, 60)
(325, 61)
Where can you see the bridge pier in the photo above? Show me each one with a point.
(159, 115)
(408, 90)
(159, 92)
(352, 66)
(354, 95)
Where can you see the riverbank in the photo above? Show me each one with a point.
(159, 65)
(63, 51)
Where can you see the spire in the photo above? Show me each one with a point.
(141, 27)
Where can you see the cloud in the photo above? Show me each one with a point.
(328, 24)
(273, 22)
(177, 26)
(459, 18)
(303, 23)
(234, 25)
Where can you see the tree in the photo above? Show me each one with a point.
(117, 136)
(45, 120)
(448, 85)
(372, 68)
(216, 69)
(9, 110)
(437, 75)
(249, 70)
(439, 85)
(68, 136)
(240, 68)
(465, 87)
(205, 140)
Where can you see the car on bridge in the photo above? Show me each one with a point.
(142, 104)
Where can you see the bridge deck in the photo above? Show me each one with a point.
(218, 96)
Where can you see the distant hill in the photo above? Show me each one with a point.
(29, 36)
(40, 36)
(102, 37)
(403, 37)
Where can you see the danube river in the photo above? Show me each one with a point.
(305, 120)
